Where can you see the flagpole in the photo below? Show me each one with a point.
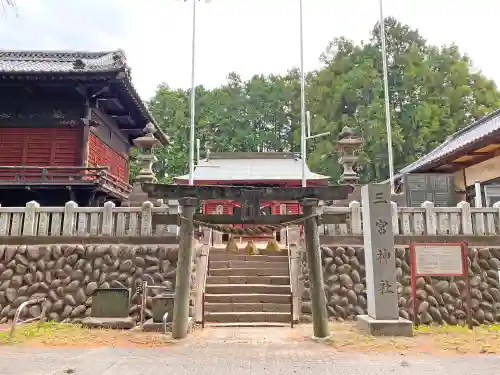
(193, 99)
(387, 100)
(302, 102)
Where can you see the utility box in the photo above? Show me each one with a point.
(161, 304)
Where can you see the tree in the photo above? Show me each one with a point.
(8, 4)
(434, 92)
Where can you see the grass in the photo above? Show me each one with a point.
(53, 334)
(451, 340)
(438, 340)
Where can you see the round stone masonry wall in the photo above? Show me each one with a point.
(441, 300)
(67, 275)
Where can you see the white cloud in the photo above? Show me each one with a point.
(247, 36)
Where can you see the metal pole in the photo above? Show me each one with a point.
(302, 103)
(387, 100)
(193, 99)
(308, 122)
(308, 132)
(197, 151)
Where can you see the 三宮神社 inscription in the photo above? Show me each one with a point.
(379, 252)
(385, 288)
(383, 255)
(438, 260)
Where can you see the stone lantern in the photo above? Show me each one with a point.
(146, 158)
(347, 145)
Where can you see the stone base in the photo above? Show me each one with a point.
(151, 326)
(112, 323)
(322, 339)
(401, 327)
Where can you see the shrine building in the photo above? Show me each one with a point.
(67, 123)
(465, 165)
(252, 169)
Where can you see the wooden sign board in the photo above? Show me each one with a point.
(110, 303)
(439, 259)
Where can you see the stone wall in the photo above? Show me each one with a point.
(68, 274)
(440, 300)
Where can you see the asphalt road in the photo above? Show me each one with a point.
(235, 354)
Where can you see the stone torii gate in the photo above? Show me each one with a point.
(250, 197)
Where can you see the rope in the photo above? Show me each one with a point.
(255, 230)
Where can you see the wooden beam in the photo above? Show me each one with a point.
(480, 159)
(112, 105)
(123, 120)
(173, 219)
(84, 144)
(103, 118)
(165, 191)
(487, 140)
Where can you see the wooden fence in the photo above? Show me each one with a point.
(71, 220)
(426, 220)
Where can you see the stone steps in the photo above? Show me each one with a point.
(247, 307)
(247, 289)
(249, 272)
(241, 251)
(247, 317)
(252, 258)
(217, 264)
(248, 324)
(268, 280)
(248, 298)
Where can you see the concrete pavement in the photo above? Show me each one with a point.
(233, 351)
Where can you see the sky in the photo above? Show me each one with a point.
(246, 36)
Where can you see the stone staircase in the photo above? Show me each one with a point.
(247, 290)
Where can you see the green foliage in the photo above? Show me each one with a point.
(434, 92)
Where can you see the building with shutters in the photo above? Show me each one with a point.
(252, 169)
(449, 173)
(67, 121)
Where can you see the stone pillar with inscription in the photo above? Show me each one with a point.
(380, 263)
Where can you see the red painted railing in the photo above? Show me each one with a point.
(49, 175)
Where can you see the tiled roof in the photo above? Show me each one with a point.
(76, 63)
(275, 166)
(61, 62)
(483, 127)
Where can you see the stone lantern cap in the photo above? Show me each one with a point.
(148, 140)
(348, 139)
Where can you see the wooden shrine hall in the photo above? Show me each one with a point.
(67, 123)
(258, 169)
